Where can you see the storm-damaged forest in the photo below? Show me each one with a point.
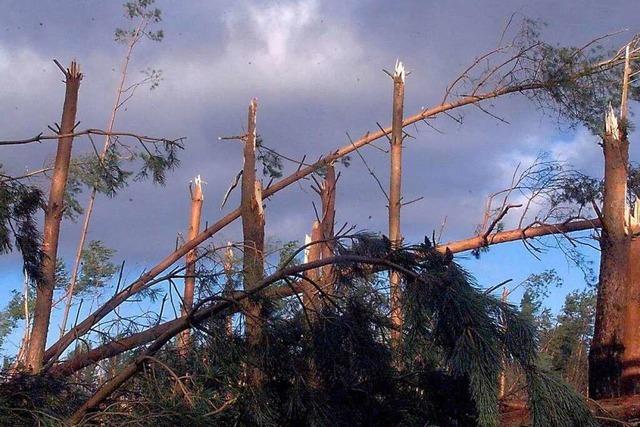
(292, 216)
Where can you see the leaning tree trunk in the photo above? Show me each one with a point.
(253, 233)
(395, 201)
(53, 216)
(184, 339)
(605, 356)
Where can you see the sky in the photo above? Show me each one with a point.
(316, 69)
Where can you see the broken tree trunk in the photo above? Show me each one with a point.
(395, 201)
(605, 355)
(184, 339)
(253, 234)
(144, 281)
(311, 288)
(327, 224)
(53, 217)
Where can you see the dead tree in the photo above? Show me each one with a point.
(605, 356)
(395, 201)
(119, 346)
(53, 217)
(184, 339)
(253, 233)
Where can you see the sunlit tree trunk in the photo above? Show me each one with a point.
(311, 288)
(327, 224)
(395, 201)
(253, 233)
(53, 217)
(184, 339)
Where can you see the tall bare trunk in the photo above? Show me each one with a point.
(52, 219)
(253, 234)
(184, 339)
(88, 210)
(607, 347)
(328, 198)
(395, 201)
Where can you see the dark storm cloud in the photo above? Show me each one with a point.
(316, 69)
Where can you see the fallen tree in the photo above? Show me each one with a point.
(116, 347)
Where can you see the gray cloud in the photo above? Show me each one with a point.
(316, 69)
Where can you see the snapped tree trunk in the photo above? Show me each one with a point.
(184, 339)
(605, 355)
(253, 234)
(311, 288)
(52, 219)
(395, 201)
(327, 223)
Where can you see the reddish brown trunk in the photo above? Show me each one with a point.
(253, 233)
(184, 339)
(52, 219)
(395, 201)
(631, 357)
(605, 355)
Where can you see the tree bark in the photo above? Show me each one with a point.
(631, 357)
(605, 355)
(184, 339)
(630, 380)
(253, 233)
(395, 201)
(52, 219)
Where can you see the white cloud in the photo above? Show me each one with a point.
(287, 47)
